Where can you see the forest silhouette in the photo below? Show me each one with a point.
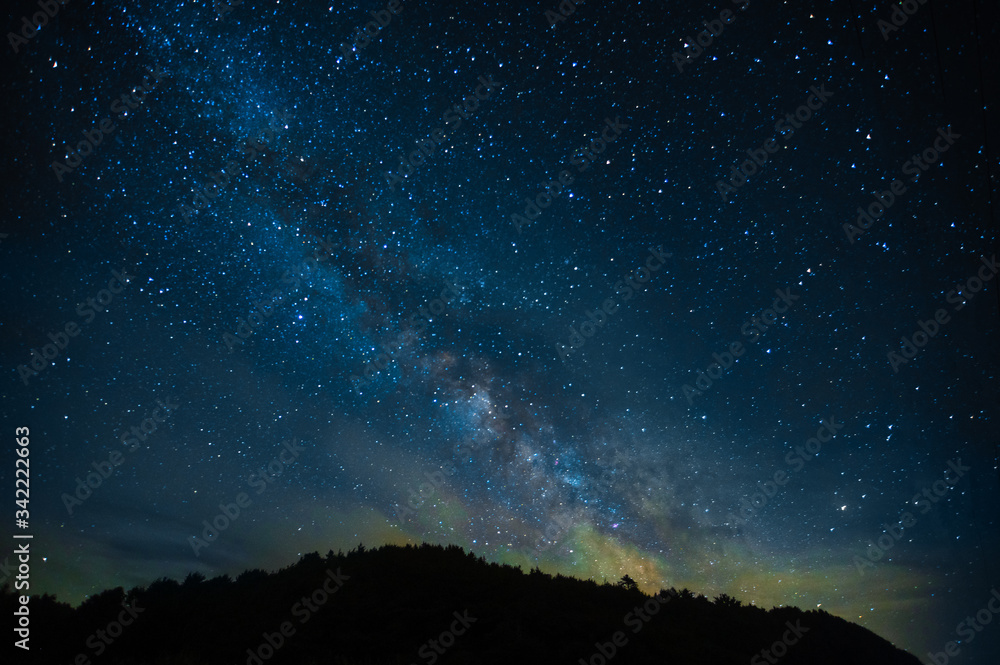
(434, 605)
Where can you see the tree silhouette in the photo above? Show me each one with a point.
(725, 600)
(628, 583)
(391, 600)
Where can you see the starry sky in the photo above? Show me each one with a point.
(492, 277)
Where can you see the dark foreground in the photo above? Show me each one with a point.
(430, 605)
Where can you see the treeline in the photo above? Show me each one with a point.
(428, 604)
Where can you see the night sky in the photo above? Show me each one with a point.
(495, 279)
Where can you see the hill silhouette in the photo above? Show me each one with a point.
(434, 605)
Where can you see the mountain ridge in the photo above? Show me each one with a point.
(434, 605)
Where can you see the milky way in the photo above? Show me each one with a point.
(702, 294)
